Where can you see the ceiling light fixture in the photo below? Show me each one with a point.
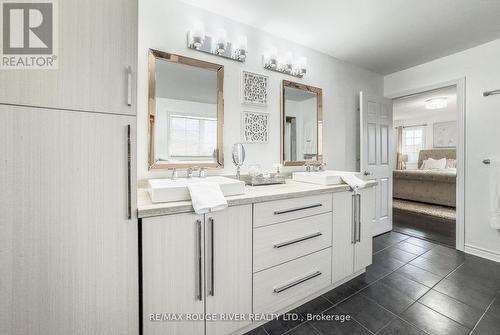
(436, 103)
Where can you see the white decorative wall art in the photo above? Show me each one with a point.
(254, 88)
(445, 134)
(255, 127)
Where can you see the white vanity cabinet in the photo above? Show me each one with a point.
(197, 264)
(352, 236)
(269, 255)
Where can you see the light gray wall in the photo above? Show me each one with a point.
(164, 24)
(479, 66)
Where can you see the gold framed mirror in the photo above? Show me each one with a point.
(301, 124)
(186, 112)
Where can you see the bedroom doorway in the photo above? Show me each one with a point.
(427, 135)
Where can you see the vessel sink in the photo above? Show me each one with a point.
(328, 177)
(168, 190)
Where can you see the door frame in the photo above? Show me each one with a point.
(460, 84)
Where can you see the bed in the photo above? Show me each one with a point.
(436, 187)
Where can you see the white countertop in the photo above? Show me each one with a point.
(253, 194)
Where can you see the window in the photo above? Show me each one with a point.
(192, 137)
(413, 142)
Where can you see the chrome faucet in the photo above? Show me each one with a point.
(201, 173)
(189, 172)
(174, 174)
(308, 167)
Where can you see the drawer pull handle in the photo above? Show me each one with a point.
(296, 240)
(280, 289)
(296, 209)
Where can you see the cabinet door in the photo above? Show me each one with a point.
(97, 42)
(363, 248)
(68, 252)
(173, 272)
(343, 236)
(229, 266)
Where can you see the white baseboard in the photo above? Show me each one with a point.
(481, 252)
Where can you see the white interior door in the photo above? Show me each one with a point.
(375, 154)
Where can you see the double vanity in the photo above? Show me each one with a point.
(274, 248)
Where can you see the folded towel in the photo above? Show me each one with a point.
(354, 182)
(495, 194)
(207, 197)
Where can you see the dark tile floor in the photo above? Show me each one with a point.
(413, 287)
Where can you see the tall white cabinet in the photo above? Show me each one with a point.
(68, 249)
(97, 43)
(196, 264)
(68, 226)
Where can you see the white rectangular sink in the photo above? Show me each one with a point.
(328, 177)
(168, 190)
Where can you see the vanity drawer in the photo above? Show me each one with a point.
(267, 213)
(282, 285)
(282, 242)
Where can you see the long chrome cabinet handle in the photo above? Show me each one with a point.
(199, 267)
(282, 288)
(284, 211)
(359, 218)
(129, 86)
(353, 219)
(298, 239)
(129, 174)
(211, 276)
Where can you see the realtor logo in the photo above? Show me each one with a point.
(29, 34)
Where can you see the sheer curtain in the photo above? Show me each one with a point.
(399, 148)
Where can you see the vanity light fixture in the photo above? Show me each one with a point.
(218, 44)
(285, 63)
(436, 103)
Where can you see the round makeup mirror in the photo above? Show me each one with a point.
(238, 157)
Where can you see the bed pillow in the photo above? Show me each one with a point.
(434, 164)
(451, 163)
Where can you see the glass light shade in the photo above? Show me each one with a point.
(302, 62)
(271, 58)
(220, 42)
(241, 48)
(288, 61)
(242, 43)
(197, 35)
